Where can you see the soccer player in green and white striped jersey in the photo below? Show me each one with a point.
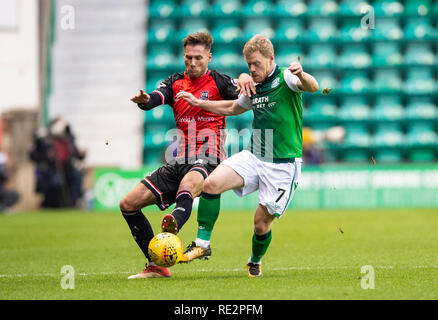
(272, 162)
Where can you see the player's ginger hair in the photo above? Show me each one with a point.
(202, 38)
(259, 43)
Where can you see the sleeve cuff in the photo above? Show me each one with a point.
(244, 101)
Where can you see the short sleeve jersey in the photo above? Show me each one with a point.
(278, 117)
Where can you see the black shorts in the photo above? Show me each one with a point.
(164, 182)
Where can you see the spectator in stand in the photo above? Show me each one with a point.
(311, 153)
(58, 177)
(7, 197)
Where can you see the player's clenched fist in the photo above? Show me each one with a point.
(141, 98)
(246, 85)
(296, 68)
(187, 96)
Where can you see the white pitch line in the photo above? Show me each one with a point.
(211, 270)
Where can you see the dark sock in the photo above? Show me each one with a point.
(183, 208)
(141, 230)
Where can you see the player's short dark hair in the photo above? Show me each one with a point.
(202, 38)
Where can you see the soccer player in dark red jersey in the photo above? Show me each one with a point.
(200, 147)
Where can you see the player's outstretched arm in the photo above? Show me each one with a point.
(141, 98)
(147, 101)
(222, 108)
(306, 82)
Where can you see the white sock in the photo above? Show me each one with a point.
(249, 261)
(202, 243)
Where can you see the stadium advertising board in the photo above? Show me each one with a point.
(330, 186)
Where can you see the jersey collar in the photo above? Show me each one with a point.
(201, 77)
(271, 76)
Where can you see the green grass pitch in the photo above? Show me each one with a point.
(313, 255)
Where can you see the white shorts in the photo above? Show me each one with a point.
(276, 182)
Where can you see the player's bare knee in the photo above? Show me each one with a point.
(211, 186)
(188, 186)
(261, 228)
(126, 205)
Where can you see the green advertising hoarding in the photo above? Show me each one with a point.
(327, 186)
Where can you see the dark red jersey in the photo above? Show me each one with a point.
(204, 132)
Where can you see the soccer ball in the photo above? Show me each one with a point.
(165, 249)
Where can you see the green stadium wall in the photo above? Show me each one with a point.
(321, 187)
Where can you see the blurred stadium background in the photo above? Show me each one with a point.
(84, 59)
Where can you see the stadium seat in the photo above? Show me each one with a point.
(419, 80)
(388, 156)
(289, 29)
(322, 29)
(160, 57)
(354, 56)
(421, 135)
(257, 8)
(354, 82)
(237, 139)
(322, 8)
(352, 31)
(160, 115)
(245, 119)
(160, 31)
(193, 9)
(226, 31)
(223, 9)
(326, 79)
(387, 54)
(155, 138)
(421, 109)
(253, 26)
(162, 8)
(322, 110)
(232, 145)
(355, 109)
(355, 156)
(152, 156)
(388, 135)
(422, 155)
(153, 79)
(388, 8)
(418, 29)
(357, 137)
(388, 29)
(232, 123)
(352, 7)
(328, 37)
(419, 54)
(226, 58)
(321, 56)
(387, 80)
(388, 108)
(289, 53)
(418, 7)
(287, 8)
(190, 26)
(315, 127)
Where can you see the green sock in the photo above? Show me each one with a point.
(208, 212)
(260, 245)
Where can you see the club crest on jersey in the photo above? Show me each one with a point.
(275, 82)
(204, 95)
